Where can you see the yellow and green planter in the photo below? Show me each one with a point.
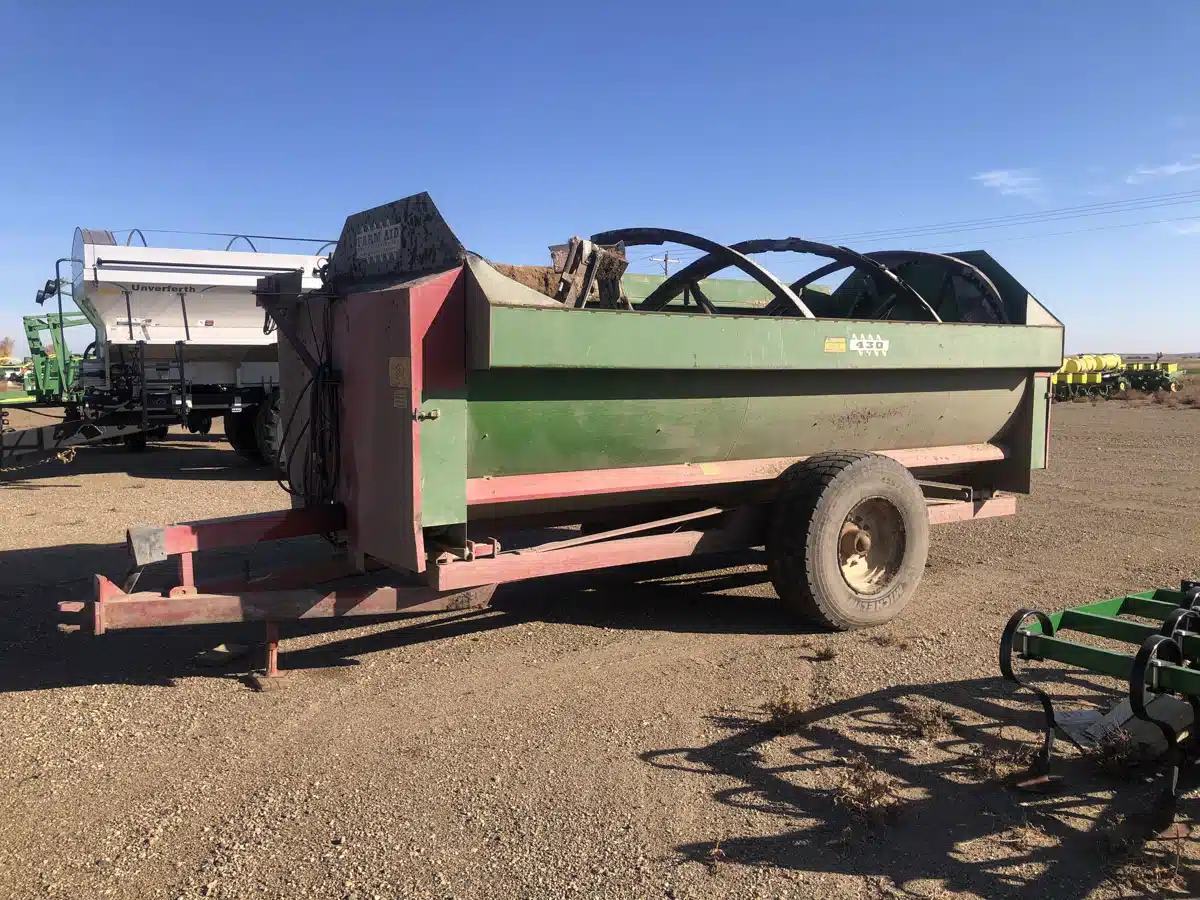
(1103, 375)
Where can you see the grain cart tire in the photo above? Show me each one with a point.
(242, 432)
(198, 423)
(848, 539)
(268, 430)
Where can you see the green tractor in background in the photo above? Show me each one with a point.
(50, 374)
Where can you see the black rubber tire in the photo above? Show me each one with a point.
(199, 423)
(242, 432)
(135, 443)
(268, 432)
(814, 499)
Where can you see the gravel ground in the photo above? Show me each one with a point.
(585, 737)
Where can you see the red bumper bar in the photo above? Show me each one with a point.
(155, 543)
(114, 610)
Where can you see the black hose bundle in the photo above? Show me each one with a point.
(314, 456)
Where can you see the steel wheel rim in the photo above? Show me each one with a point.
(871, 546)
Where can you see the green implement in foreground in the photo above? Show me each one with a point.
(52, 376)
(1164, 627)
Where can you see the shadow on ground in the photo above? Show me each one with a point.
(953, 827)
(189, 457)
(964, 831)
(34, 656)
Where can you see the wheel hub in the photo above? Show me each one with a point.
(871, 547)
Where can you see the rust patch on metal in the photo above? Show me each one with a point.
(860, 417)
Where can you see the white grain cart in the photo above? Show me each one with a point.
(179, 339)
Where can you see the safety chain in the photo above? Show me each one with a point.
(63, 456)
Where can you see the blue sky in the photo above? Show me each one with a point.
(529, 123)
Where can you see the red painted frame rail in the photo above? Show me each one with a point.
(555, 485)
(154, 543)
(454, 584)
(114, 610)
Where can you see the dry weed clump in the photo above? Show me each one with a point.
(867, 791)
(784, 712)
(1026, 836)
(1174, 399)
(1189, 391)
(1152, 873)
(999, 763)
(925, 719)
(1115, 837)
(826, 654)
(1138, 868)
(1117, 755)
(715, 856)
(889, 640)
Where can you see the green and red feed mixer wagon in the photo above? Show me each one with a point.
(438, 411)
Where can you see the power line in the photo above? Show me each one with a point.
(1029, 237)
(1030, 218)
(1048, 234)
(1052, 215)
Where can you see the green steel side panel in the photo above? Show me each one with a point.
(1041, 422)
(539, 337)
(444, 461)
(525, 421)
(721, 291)
(831, 410)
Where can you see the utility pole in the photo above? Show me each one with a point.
(666, 260)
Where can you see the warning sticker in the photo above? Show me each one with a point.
(835, 345)
(400, 398)
(399, 371)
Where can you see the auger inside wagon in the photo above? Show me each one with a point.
(435, 407)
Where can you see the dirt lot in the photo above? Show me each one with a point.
(586, 737)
